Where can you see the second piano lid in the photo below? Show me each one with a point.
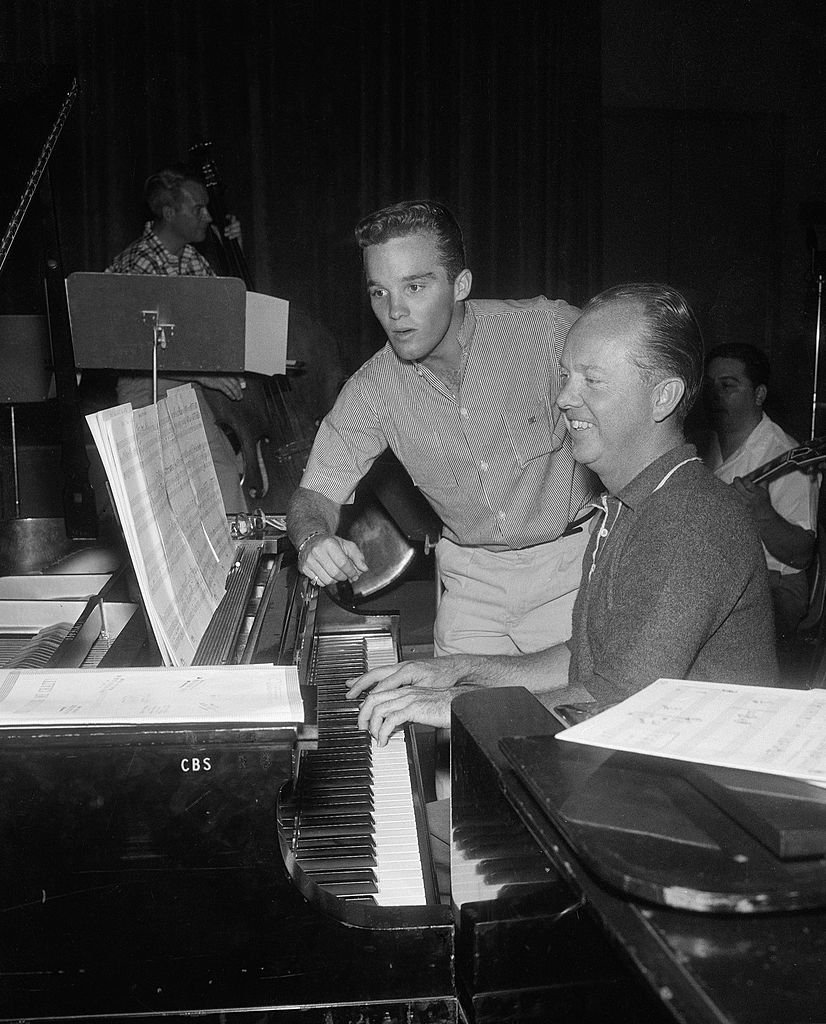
(642, 826)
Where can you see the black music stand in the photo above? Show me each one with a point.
(25, 374)
(158, 324)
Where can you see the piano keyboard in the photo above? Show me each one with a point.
(354, 824)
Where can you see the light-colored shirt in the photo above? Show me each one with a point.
(793, 494)
(493, 458)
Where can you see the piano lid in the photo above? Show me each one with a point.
(695, 837)
(31, 96)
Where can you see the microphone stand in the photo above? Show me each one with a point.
(817, 271)
(817, 348)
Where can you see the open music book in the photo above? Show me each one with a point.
(167, 497)
(756, 728)
(262, 694)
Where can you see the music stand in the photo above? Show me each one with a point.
(25, 374)
(159, 324)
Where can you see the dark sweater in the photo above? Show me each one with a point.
(678, 587)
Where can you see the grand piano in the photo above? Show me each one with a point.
(586, 885)
(260, 872)
(635, 889)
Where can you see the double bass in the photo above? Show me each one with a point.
(270, 428)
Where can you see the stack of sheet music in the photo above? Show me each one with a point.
(167, 497)
(144, 696)
(755, 728)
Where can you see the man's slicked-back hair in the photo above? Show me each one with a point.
(672, 343)
(165, 187)
(412, 217)
(754, 360)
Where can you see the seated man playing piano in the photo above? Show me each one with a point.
(745, 438)
(674, 582)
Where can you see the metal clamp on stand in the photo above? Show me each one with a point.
(161, 333)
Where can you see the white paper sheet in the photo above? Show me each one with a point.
(230, 693)
(185, 413)
(266, 333)
(164, 486)
(764, 729)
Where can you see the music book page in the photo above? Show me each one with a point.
(185, 414)
(169, 505)
(186, 511)
(135, 696)
(113, 431)
(757, 728)
(194, 601)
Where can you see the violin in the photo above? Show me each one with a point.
(269, 428)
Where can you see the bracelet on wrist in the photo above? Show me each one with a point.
(307, 539)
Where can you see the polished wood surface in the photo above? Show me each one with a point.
(145, 876)
(699, 967)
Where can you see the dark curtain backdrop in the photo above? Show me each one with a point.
(319, 113)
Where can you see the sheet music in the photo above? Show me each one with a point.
(113, 432)
(195, 601)
(230, 693)
(184, 506)
(166, 493)
(764, 729)
(185, 413)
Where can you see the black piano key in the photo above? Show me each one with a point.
(348, 889)
(335, 727)
(321, 802)
(344, 791)
(362, 878)
(345, 769)
(344, 780)
(357, 847)
(336, 705)
(335, 762)
(345, 737)
(310, 860)
(347, 785)
(344, 831)
(332, 820)
(329, 806)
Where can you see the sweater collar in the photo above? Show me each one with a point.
(654, 476)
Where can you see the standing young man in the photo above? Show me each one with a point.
(463, 393)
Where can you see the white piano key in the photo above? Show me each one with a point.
(398, 864)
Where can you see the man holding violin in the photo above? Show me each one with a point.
(178, 202)
(743, 440)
